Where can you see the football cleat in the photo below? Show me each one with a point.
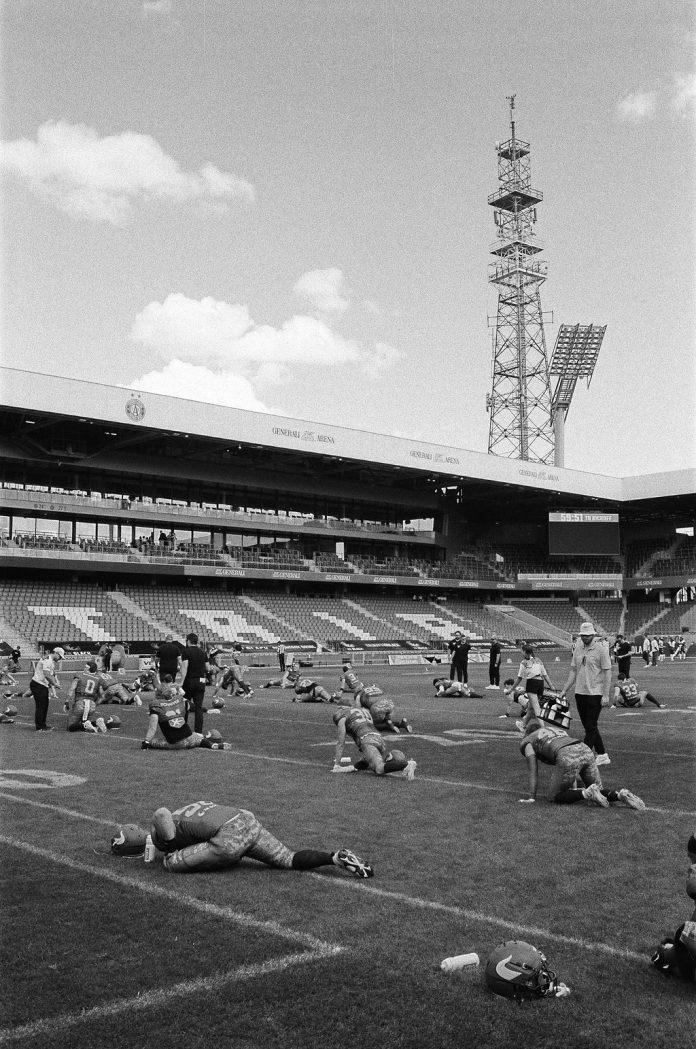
(407, 728)
(145, 745)
(89, 727)
(632, 800)
(350, 862)
(344, 768)
(409, 772)
(594, 795)
(4, 720)
(602, 759)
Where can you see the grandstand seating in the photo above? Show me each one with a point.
(605, 615)
(682, 561)
(639, 554)
(640, 614)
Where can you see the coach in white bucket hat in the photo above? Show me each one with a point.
(590, 672)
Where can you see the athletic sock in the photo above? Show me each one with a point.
(308, 859)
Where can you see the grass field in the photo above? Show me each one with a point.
(100, 951)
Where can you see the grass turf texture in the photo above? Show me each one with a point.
(460, 866)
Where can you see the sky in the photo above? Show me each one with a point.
(282, 206)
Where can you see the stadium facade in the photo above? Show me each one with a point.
(252, 498)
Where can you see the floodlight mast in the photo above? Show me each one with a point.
(574, 357)
(521, 426)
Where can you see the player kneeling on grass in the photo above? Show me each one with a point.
(676, 955)
(548, 742)
(382, 711)
(205, 836)
(445, 686)
(356, 723)
(627, 694)
(233, 678)
(168, 716)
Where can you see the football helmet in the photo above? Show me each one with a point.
(218, 703)
(214, 736)
(130, 841)
(112, 721)
(397, 755)
(518, 970)
(10, 711)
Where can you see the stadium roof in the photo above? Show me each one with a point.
(52, 419)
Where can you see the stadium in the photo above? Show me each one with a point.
(129, 516)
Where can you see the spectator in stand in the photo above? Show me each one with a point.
(495, 656)
(45, 678)
(645, 649)
(168, 658)
(194, 672)
(622, 651)
(532, 676)
(590, 672)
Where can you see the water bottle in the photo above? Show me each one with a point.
(459, 961)
(149, 849)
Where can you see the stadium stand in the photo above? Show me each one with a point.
(605, 614)
(639, 616)
(558, 612)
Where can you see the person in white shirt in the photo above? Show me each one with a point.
(45, 678)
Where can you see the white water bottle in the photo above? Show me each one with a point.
(459, 961)
(149, 849)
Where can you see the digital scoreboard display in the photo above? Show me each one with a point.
(591, 533)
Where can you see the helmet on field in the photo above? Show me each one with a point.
(397, 755)
(112, 721)
(214, 736)
(218, 702)
(339, 715)
(10, 711)
(373, 690)
(517, 970)
(130, 841)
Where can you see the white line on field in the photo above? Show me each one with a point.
(156, 998)
(153, 889)
(489, 919)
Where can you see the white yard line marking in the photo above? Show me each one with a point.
(153, 889)
(532, 931)
(156, 998)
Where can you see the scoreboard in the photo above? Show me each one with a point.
(590, 533)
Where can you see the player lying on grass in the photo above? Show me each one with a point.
(116, 692)
(204, 836)
(445, 686)
(356, 723)
(676, 955)
(309, 691)
(350, 682)
(81, 703)
(382, 711)
(571, 760)
(627, 694)
(168, 716)
(146, 681)
(289, 678)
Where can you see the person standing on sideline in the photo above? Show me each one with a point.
(495, 655)
(45, 677)
(654, 651)
(168, 658)
(280, 651)
(194, 672)
(459, 648)
(646, 650)
(622, 651)
(590, 672)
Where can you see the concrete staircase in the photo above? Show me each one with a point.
(535, 627)
(134, 609)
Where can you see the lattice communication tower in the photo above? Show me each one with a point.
(521, 423)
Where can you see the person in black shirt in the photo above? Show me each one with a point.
(459, 648)
(494, 658)
(168, 658)
(622, 651)
(194, 672)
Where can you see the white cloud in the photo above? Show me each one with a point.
(684, 94)
(157, 7)
(324, 290)
(217, 331)
(102, 178)
(637, 106)
(197, 383)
